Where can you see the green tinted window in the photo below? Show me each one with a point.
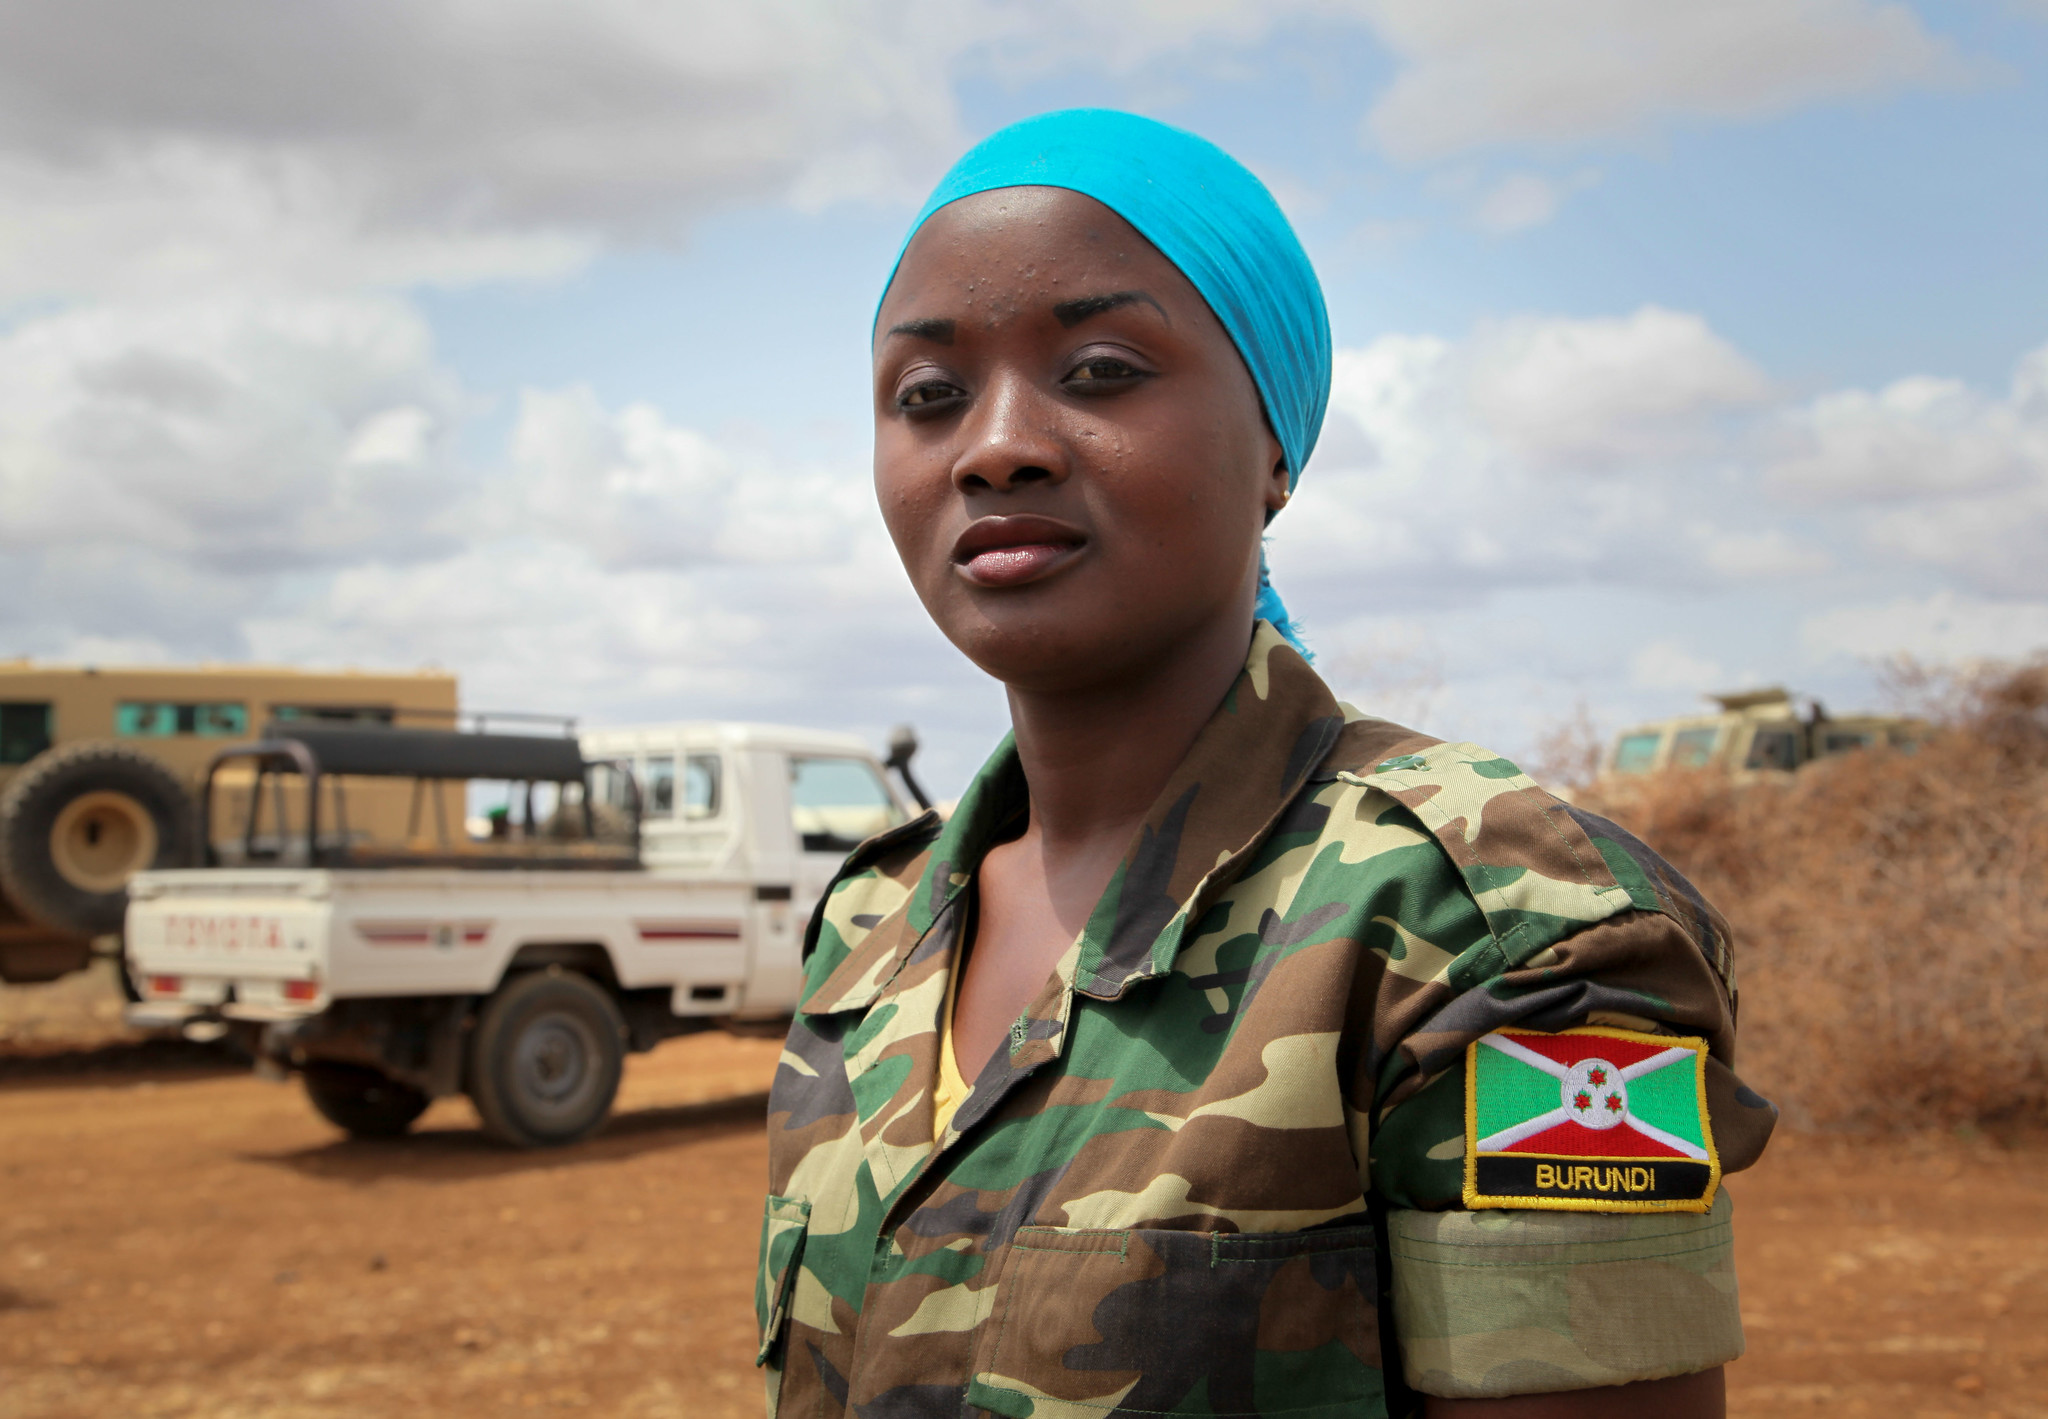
(334, 714)
(153, 719)
(1636, 752)
(24, 731)
(1693, 747)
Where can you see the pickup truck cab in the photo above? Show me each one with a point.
(632, 884)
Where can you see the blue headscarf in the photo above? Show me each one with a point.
(1211, 218)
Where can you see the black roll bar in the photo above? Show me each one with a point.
(272, 755)
(279, 755)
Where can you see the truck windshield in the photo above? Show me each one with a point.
(836, 803)
(1636, 752)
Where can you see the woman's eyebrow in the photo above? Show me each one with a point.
(939, 332)
(1073, 312)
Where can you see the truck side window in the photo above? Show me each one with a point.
(24, 731)
(148, 719)
(700, 787)
(661, 786)
(608, 786)
(1637, 752)
(1774, 749)
(1693, 748)
(335, 714)
(836, 803)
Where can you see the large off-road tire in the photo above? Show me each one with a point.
(363, 1102)
(545, 1058)
(77, 822)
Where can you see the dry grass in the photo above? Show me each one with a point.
(1891, 912)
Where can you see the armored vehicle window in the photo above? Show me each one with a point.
(835, 803)
(700, 786)
(334, 714)
(661, 786)
(1836, 741)
(1692, 748)
(151, 719)
(1774, 749)
(24, 731)
(1636, 752)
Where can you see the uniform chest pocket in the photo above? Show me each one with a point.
(784, 1221)
(1217, 1323)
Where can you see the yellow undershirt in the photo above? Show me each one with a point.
(950, 1089)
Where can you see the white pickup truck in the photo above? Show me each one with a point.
(634, 885)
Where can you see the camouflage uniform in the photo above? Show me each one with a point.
(1226, 1139)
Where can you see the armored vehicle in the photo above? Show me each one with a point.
(1754, 733)
(98, 771)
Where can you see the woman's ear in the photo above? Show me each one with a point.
(1277, 490)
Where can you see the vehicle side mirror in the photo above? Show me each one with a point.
(902, 749)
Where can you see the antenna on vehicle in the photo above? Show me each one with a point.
(902, 748)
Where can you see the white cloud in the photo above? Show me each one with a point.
(1945, 627)
(1526, 199)
(1766, 553)
(442, 140)
(1933, 472)
(1594, 393)
(1919, 435)
(1667, 665)
(1493, 71)
(146, 149)
(1537, 451)
(245, 434)
(630, 488)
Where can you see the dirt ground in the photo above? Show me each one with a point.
(191, 1241)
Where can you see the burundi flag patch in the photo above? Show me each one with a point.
(1588, 1120)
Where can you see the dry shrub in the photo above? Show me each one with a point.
(1568, 756)
(1890, 911)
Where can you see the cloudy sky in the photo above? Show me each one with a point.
(1681, 347)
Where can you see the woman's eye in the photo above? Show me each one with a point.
(1103, 373)
(926, 393)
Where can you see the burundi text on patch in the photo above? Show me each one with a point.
(1590, 1119)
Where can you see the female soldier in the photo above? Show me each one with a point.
(1228, 1052)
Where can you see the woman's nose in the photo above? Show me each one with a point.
(1012, 439)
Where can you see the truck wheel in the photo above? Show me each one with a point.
(545, 1059)
(77, 823)
(363, 1102)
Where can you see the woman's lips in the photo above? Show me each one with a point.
(1010, 551)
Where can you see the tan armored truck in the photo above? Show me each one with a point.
(1755, 733)
(99, 767)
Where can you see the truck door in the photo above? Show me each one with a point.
(832, 802)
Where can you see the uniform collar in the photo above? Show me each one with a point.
(1274, 727)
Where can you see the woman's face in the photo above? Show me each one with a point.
(1069, 452)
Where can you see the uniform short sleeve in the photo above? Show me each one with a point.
(1498, 1300)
